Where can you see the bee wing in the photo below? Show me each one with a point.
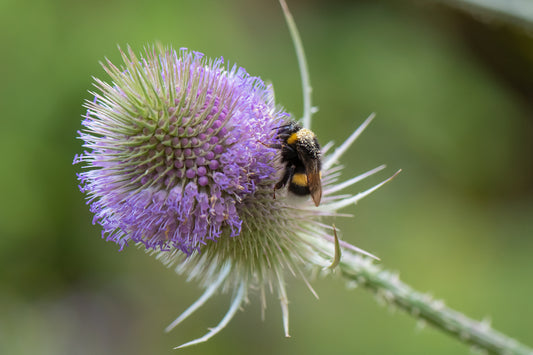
(312, 170)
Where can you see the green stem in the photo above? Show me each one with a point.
(302, 64)
(388, 287)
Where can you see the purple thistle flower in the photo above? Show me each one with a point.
(177, 160)
(174, 149)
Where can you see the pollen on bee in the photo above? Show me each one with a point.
(305, 134)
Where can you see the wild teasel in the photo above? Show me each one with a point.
(177, 161)
(147, 119)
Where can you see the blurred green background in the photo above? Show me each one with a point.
(453, 96)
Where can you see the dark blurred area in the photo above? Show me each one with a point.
(452, 89)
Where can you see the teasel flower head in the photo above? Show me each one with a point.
(177, 161)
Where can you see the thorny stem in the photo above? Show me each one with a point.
(390, 289)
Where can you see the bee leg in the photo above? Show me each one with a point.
(275, 146)
(289, 172)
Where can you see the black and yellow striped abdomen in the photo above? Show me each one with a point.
(300, 152)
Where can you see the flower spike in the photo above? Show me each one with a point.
(236, 303)
(337, 258)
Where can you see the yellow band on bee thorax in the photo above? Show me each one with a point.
(292, 138)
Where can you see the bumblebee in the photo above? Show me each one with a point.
(300, 152)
